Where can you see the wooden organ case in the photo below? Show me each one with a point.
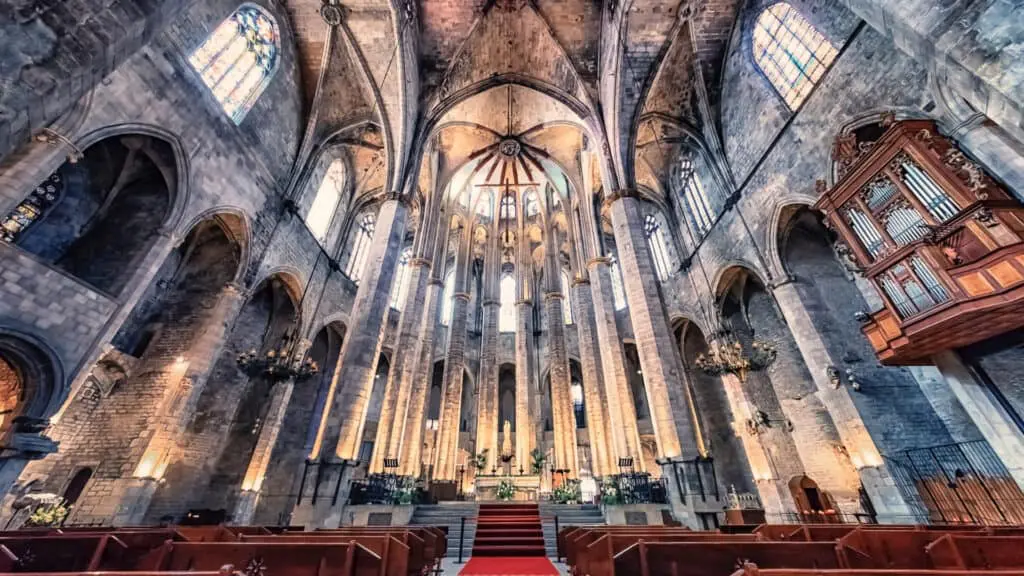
(941, 241)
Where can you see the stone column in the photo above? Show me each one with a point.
(561, 396)
(526, 418)
(845, 418)
(622, 423)
(410, 445)
(659, 359)
(396, 394)
(487, 382)
(988, 415)
(342, 425)
(594, 397)
(252, 482)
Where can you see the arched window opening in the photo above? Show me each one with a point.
(792, 54)
(33, 208)
(578, 409)
(434, 403)
(656, 242)
(695, 198)
(448, 298)
(531, 205)
(325, 205)
(238, 60)
(400, 287)
(507, 309)
(10, 394)
(76, 486)
(508, 207)
(360, 248)
(566, 300)
(618, 291)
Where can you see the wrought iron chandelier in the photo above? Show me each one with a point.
(729, 357)
(287, 361)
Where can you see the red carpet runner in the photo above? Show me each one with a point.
(509, 541)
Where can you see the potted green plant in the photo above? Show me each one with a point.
(478, 460)
(537, 460)
(567, 493)
(506, 490)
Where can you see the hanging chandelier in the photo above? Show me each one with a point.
(729, 357)
(287, 361)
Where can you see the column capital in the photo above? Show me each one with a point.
(580, 281)
(436, 282)
(553, 296)
(594, 262)
(461, 296)
(617, 195)
(524, 302)
(491, 302)
(397, 196)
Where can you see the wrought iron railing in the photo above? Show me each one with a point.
(963, 483)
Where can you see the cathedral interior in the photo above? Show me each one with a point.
(261, 260)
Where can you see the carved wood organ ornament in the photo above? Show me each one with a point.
(939, 239)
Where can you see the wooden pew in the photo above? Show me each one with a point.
(206, 534)
(892, 549)
(599, 556)
(62, 552)
(299, 559)
(388, 546)
(578, 538)
(980, 552)
(435, 538)
(716, 559)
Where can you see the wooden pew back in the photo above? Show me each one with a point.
(715, 559)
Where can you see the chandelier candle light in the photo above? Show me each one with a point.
(279, 364)
(731, 358)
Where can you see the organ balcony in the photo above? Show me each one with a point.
(938, 238)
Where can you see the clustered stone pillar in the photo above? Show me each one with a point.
(659, 358)
(394, 409)
(622, 421)
(454, 366)
(411, 444)
(564, 423)
(594, 398)
(344, 419)
(487, 402)
(526, 439)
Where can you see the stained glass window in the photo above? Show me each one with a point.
(790, 52)
(400, 287)
(576, 389)
(44, 197)
(363, 236)
(321, 212)
(508, 207)
(656, 242)
(507, 308)
(238, 60)
(698, 207)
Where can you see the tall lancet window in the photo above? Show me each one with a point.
(659, 249)
(325, 205)
(566, 305)
(698, 207)
(448, 298)
(507, 309)
(790, 52)
(400, 287)
(361, 240)
(238, 60)
(508, 207)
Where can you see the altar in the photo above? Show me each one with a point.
(527, 487)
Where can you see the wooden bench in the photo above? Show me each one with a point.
(286, 559)
(981, 552)
(753, 570)
(889, 549)
(719, 558)
(599, 556)
(417, 560)
(570, 539)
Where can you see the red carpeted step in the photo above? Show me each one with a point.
(509, 530)
(509, 550)
(492, 565)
